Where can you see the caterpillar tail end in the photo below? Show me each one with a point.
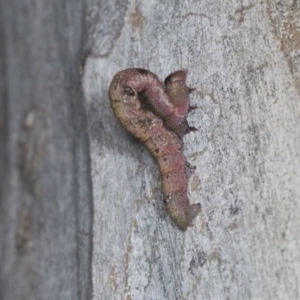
(184, 218)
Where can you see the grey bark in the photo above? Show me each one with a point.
(243, 60)
(45, 196)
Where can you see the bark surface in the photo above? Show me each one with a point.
(45, 191)
(243, 60)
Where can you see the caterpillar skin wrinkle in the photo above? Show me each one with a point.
(156, 115)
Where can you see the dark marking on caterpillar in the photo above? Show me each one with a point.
(128, 91)
(142, 71)
(156, 115)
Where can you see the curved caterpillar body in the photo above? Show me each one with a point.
(156, 115)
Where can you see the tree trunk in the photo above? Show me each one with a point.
(46, 196)
(244, 62)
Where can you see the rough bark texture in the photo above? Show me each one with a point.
(45, 195)
(243, 60)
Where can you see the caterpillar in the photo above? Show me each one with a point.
(156, 115)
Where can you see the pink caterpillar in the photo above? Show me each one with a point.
(156, 115)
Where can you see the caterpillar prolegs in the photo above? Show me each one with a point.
(156, 115)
